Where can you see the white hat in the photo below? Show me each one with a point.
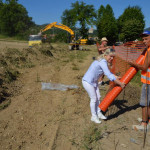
(104, 39)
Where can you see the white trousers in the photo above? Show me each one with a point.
(94, 95)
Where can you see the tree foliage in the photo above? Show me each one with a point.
(131, 23)
(132, 29)
(14, 18)
(80, 14)
(68, 19)
(106, 24)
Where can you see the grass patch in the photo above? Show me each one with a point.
(30, 51)
(28, 65)
(91, 137)
(11, 75)
(66, 61)
(3, 63)
(14, 57)
(14, 38)
(75, 67)
(80, 61)
(78, 55)
(137, 79)
(46, 52)
(38, 78)
(5, 104)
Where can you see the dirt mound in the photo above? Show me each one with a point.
(13, 61)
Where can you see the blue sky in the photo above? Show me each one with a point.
(48, 11)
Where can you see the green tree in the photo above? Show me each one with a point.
(106, 24)
(99, 21)
(68, 19)
(132, 29)
(82, 15)
(14, 18)
(131, 23)
(1, 3)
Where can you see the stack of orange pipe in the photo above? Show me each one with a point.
(110, 97)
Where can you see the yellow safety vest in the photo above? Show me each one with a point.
(145, 75)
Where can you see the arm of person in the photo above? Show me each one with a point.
(100, 49)
(143, 67)
(117, 81)
(111, 76)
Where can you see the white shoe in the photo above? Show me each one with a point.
(140, 127)
(100, 82)
(139, 119)
(95, 119)
(101, 116)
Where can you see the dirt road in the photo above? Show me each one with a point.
(60, 120)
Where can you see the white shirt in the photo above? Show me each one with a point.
(97, 69)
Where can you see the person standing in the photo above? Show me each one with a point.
(90, 82)
(101, 49)
(145, 79)
(103, 46)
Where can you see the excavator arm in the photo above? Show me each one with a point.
(60, 26)
(49, 26)
(63, 27)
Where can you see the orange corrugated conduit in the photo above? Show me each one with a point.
(110, 97)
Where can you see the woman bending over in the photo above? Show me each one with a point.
(90, 82)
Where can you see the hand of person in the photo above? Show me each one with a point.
(132, 63)
(117, 77)
(117, 81)
(122, 85)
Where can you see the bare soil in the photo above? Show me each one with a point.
(60, 120)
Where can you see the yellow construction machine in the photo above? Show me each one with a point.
(37, 39)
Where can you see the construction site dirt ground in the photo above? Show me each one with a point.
(60, 120)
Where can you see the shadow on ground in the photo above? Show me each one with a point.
(119, 107)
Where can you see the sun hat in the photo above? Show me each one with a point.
(145, 33)
(104, 39)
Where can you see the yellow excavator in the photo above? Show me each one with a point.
(37, 39)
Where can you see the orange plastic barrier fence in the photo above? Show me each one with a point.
(124, 53)
(110, 97)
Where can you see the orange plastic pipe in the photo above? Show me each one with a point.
(110, 97)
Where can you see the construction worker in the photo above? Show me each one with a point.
(90, 82)
(101, 49)
(145, 79)
(103, 46)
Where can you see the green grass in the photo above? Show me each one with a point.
(11, 75)
(78, 55)
(38, 78)
(14, 38)
(137, 79)
(5, 37)
(91, 137)
(75, 66)
(5, 105)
